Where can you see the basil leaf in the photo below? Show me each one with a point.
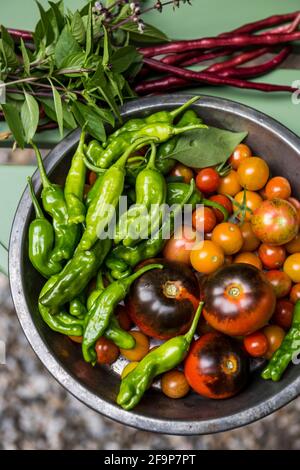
(89, 33)
(77, 28)
(30, 116)
(49, 107)
(58, 14)
(99, 83)
(105, 58)
(150, 34)
(58, 109)
(7, 37)
(123, 58)
(206, 147)
(65, 47)
(26, 61)
(8, 54)
(46, 24)
(87, 117)
(73, 62)
(12, 117)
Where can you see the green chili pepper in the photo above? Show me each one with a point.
(177, 191)
(148, 248)
(66, 234)
(160, 130)
(163, 164)
(289, 349)
(94, 190)
(102, 208)
(150, 195)
(102, 310)
(76, 275)
(41, 240)
(74, 187)
(77, 306)
(95, 149)
(167, 356)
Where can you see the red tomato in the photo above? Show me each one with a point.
(208, 180)
(184, 171)
(283, 314)
(107, 351)
(295, 293)
(275, 222)
(272, 257)
(179, 247)
(280, 282)
(123, 317)
(216, 366)
(204, 219)
(92, 177)
(296, 204)
(225, 202)
(278, 187)
(256, 344)
(238, 299)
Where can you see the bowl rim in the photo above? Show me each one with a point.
(89, 398)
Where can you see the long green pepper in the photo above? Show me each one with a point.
(289, 350)
(150, 195)
(167, 356)
(102, 208)
(66, 234)
(41, 240)
(74, 186)
(103, 309)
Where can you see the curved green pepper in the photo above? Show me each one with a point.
(41, 240)
(167, 356)
(66, 234)
(103, 308)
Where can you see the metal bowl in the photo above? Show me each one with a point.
(97, 387)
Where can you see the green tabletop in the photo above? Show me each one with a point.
(203, 18)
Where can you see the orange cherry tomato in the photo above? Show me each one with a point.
(184, 171)
(249, 258)
(107, 352)
(204, 219)
(278, 187)
(295, 293)
(76, 339)
(223, 201)
(275, 336)
(206, 257)
(229, 237)
(229, 184)
(239, 154)
(140, 349)
(280, 282)
(174, 384)
(253, 173)
(256, 344)
(292, 267)
(296, 204)
(283, 314)
(179, 247)
(253, 201)
(250, 241)
(272, 257)
(294, 245)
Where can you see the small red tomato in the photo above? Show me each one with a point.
(216, 366)
(272, 257)
(256, 344)
(275, 336)
(278, 187)
(239, 154)
(183, 171)
(92, 177)
(204, 219)
(280, 282)
(123, 317)
(179, 247)
(296, 203)
(295, 293)
(275, 222)
(223, 201)
(107, 351)
(208, 180)
(283, 314)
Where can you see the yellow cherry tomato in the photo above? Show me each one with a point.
(229, 237)
(253, 201)
(229, 184)
(253, 173)
(207, 257)
(292, 267)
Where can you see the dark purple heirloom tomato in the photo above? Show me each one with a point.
(162, 302)
(216, 366)
(238, 299)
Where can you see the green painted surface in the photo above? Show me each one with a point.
(202, 19)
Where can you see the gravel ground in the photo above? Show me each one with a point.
(37, 413)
